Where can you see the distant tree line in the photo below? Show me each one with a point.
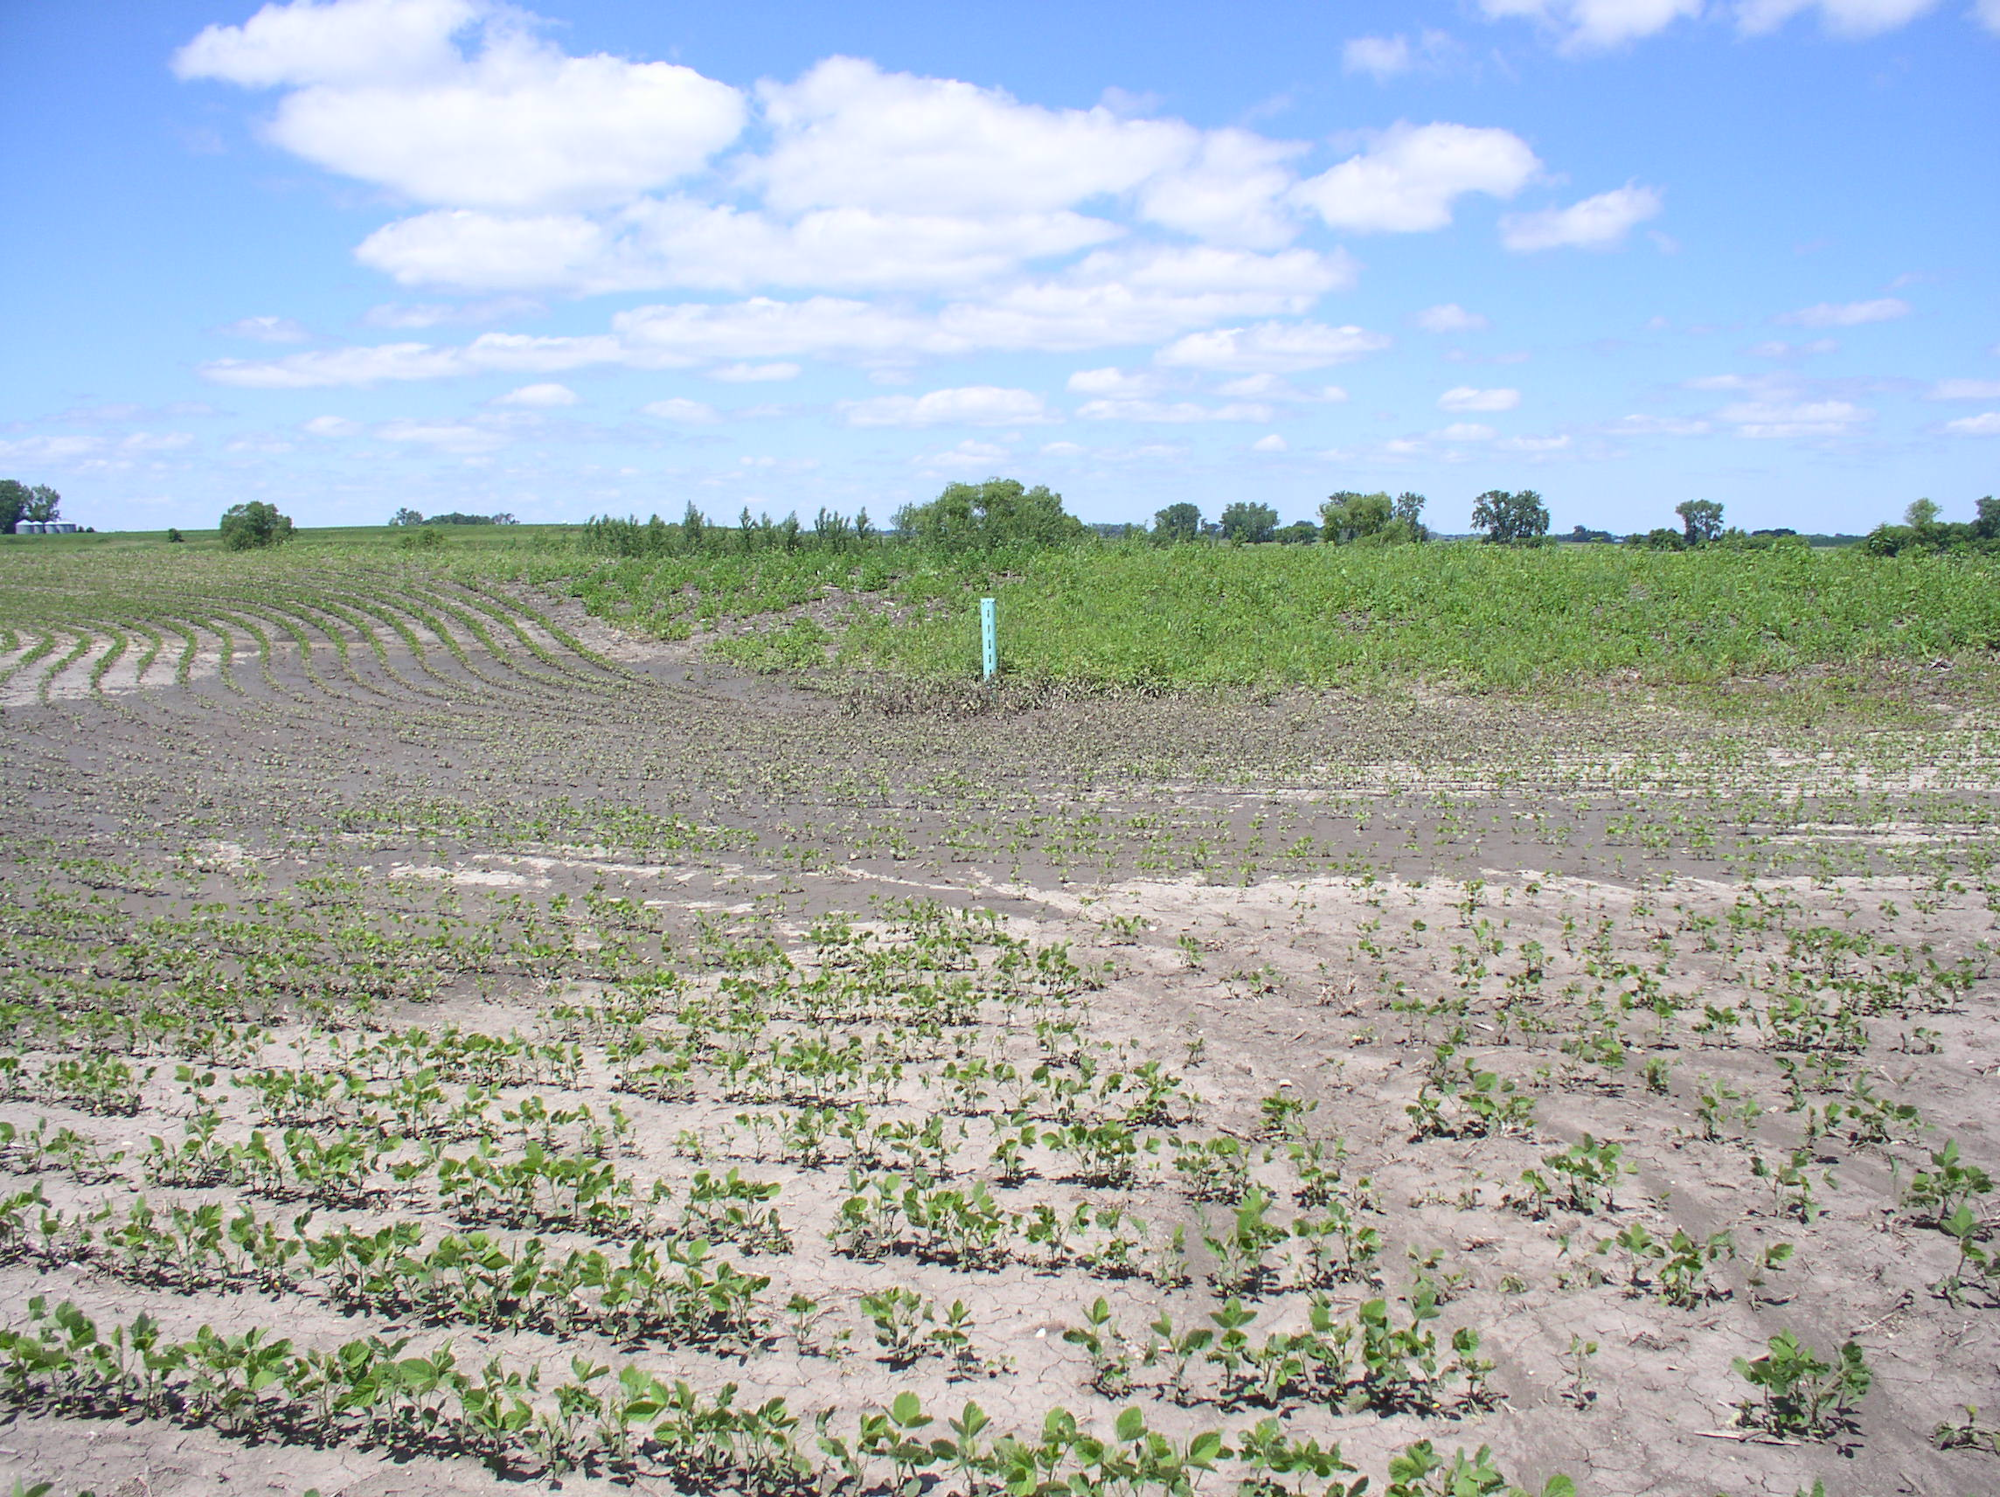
(409, 517)
(1345, 518)
(1922, 530)
(1002, 512)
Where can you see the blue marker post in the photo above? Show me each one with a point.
(989, 640)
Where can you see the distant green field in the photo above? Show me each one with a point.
(1462, 614)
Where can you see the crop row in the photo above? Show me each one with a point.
(473, 625)
(382, 1394)
(673, 1291)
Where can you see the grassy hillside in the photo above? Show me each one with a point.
(1462, 614)
(1469, 614)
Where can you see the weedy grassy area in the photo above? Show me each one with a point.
(459, 1029)
(1470, 615)
(1137, 615)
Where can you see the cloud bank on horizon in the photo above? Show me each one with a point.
(699, 240)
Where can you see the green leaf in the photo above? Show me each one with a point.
(1206, 1448)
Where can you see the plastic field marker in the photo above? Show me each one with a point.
(989, 640)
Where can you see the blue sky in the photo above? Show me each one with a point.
(583, 256)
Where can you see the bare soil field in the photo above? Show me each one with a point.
(455, 1047)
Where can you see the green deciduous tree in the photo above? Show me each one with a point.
(1348, 517)
(44, 504)
(406, 516)
(1249, 524)
(1923, 530)
(251, 526)
(1659, 538)
(1508, 518)
(1177, 522)
(1701, 520)
(981, 516)
(13, 504)
(1373, 519)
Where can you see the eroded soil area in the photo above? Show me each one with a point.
(1301, 1069)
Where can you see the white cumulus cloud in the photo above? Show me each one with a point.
(876, 218)
(1095, 306)
(1467, 431)
(1271, 347)
(435, 314)
(1985, 424)
(1812, 418)
(1114, 383)
(396, 362)
(848, 134)
(1841, 17)
(657, 243)
(266, 330)
(1847, 314)
(1383, 56)
(488, 251)
(972, 405)
(1411, 175)
(1172, 412)
(455, 437)
(1386, 57)
(1275, 387)
(157, 441)
(1778, 349)
(1232, 191)
(41, 449)
(1599, 222)
(1657, 426)
(967, 456)
(1113, 298)
(1466, 398)
(380, 90)
(1450, 317)
(1966, 389)
(544, 396)
(331, 426)
(763, 328)
(1594, 25)
(687, 412)
(754, 374)
(341, 42)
